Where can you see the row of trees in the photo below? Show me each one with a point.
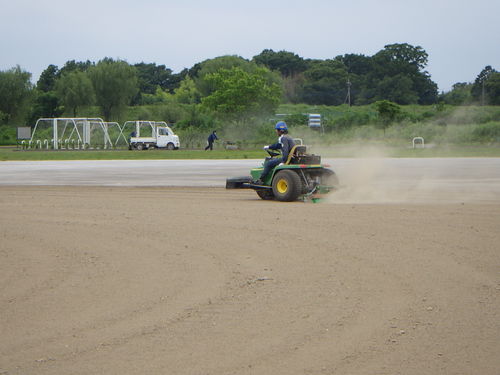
(235, 88)
(227, 86)
(395, 73)
(484, 90)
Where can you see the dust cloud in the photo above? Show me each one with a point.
(368, 179)
(377, 179)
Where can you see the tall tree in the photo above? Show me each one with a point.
(405, 56)
(287, 63)
(458, 95)
(425, 88)
(358, 68)
(206, 87)
(72, 65)
(238, 93)
(325, 83)
(115, 84)
(492, 88)
(291, 67)
(15, 92)
(75, 90)
(478, 88)
(187, 92)
(150, 76)
(47, 79)
(397, 89)
(45, 104)
(356, 64)
(394, 62)
(388, 112)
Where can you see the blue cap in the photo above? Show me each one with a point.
(281, 125)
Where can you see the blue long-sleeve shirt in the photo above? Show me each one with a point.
(212, 137)
(285, 144)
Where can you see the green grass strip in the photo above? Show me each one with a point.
(339, 151)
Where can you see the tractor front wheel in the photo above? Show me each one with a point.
(287, 186)
(265, 194)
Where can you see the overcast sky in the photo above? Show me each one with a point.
(460, 36)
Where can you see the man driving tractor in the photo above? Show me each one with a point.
(290, 175)
(285, 144)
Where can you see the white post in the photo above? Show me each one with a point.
(86, 132)
(54, 133)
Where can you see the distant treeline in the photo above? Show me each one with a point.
(233, 88)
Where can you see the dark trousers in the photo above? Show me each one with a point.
(269, 165)
(209, 146)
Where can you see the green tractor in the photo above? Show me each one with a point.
(301, 176)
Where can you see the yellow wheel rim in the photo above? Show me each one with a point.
(282, 186)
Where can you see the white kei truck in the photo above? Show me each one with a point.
(155, 134)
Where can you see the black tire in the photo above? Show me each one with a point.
(139, 146)
(170, 146)
(287, 186)
(265, 194)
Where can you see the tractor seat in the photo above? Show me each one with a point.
(298, 155)
(297, 152)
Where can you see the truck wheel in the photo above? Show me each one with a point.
(287, 186)
(170, 146)
(139, 146)
(265, 194)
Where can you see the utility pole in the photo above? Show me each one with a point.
(482, 93)
(348, 97)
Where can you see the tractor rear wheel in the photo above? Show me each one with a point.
(287, 185)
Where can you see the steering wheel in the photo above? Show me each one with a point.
(273, 153)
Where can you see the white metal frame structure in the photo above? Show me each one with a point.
(77, 130)
(83, 133)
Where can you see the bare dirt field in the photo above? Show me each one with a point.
(124, 280)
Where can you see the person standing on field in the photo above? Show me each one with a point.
(210, 141)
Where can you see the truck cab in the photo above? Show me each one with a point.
(154, 135)
(165, 138)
